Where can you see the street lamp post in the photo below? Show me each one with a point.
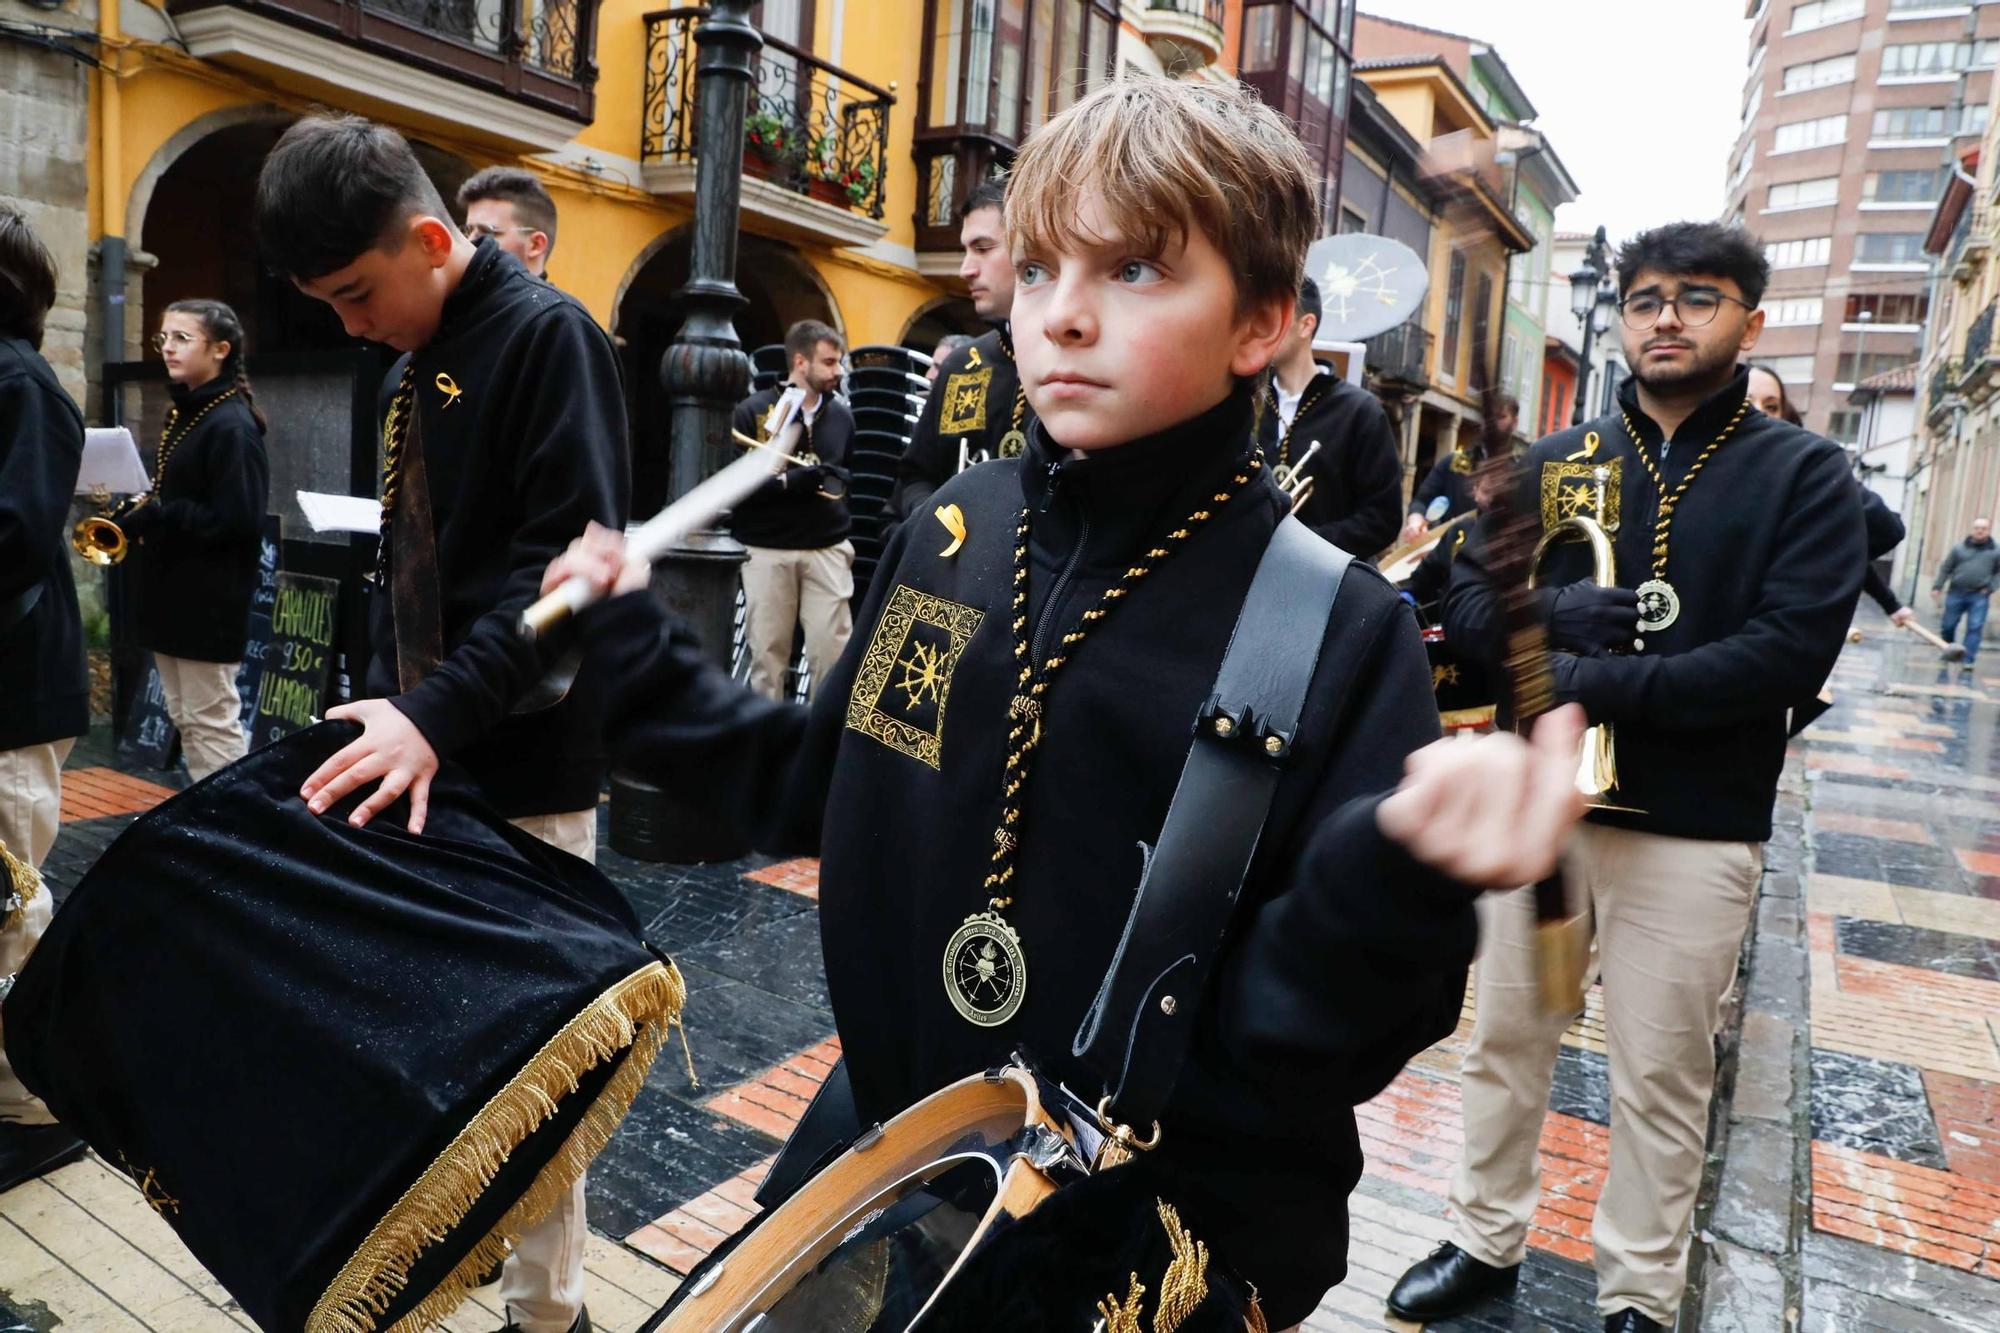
(1591, 303)
(706, 372)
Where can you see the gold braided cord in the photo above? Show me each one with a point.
(636, 1014)
(169, 442)
(1663, 521)
(395, 432)
(1307, 397)
(1185, 1283)
(1024, 711)
(1020, 389)
(26, 882)
(1123, 1316)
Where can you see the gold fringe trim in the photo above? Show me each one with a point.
(1123, 1317)
(27, 882)
(1254, 1321)
(1185, 1283)
(635, 1013)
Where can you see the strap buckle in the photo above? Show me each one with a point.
(1121, 1143)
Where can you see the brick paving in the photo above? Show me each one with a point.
(1856, 1174)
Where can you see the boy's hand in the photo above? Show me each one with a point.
(1903, 616)
(599, 556)
(390, 748)
(1414, 527)
(1492, 813)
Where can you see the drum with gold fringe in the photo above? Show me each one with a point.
(345, 1065)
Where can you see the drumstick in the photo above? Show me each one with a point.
(696, 510)
(1953, 652)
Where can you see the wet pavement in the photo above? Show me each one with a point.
(1854, 1178)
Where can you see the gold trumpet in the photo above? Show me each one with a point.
(98, 538)
(1597, 766)
(1299, 488)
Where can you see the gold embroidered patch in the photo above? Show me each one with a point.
(905, 678)
(1569, 489)
(964, 404)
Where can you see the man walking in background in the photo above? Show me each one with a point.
(1966, 581)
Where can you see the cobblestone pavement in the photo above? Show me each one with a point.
(1854, 1179)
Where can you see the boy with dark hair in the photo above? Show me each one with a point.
(1738, 540)
(505, 433)
(511, 205)
(1357, 479)
(800, 573)
(1005, 742)
(44, 688)
(976, 409)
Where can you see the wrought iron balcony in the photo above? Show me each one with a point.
(1401, 355)
(813, 131)
(1944, 379)
(541, 54)
(1978, 340)
(1185, 34)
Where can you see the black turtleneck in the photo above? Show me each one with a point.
(1766, 551)
(522, 423)
(1345, 958)
(969, 410)
(193, 568)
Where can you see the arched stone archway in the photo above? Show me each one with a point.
(938, 317)
(779, 287)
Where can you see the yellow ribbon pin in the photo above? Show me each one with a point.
(954, 523)
(452, 393)
(1589, 450)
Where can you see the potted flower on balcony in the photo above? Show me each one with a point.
(766, 141)
(822, 171)
(858, 184)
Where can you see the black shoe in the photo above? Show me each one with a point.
(1631, 1321)
(582, 1324)
(27, 1151)
(1447, 1282)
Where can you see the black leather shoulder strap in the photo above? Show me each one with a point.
(1137, 1032)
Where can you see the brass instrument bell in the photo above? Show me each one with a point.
(1291, 483)
(99, 539)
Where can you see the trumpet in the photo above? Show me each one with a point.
(99, 539)
(1299, 488)
(1597, 766)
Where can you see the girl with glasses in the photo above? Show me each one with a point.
(196, 540)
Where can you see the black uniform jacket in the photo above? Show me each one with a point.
(44, 688)
(1345, 958)
(1765, 551)
(194, 569)
(523, 430)
(1357, 477)
(1885, 533)
(971, 404)
(802, 508)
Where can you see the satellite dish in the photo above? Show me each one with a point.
(1367, 285)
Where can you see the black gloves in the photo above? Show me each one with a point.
(1587, 619)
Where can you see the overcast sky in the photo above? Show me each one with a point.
(1640, 98)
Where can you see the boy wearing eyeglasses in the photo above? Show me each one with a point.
(1739, 553)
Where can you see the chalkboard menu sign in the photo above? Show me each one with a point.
(297, 656)
(150, 737)
(251, 673)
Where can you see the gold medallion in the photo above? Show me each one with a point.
(1659, 605)
(985, 973)
(1012, 443)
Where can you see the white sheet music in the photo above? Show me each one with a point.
(341, 513)
(111, 460)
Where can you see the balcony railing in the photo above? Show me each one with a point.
(1401, 354)
(542, 52)
(1979, 340)
(812, 128)
(1209, 11)
(1943, 380)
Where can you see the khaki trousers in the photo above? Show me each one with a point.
(30, 810)
(202, 701)
(786, 589)
(1667, 917)
(541, 1284)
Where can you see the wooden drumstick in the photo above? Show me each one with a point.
(1953, 652)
